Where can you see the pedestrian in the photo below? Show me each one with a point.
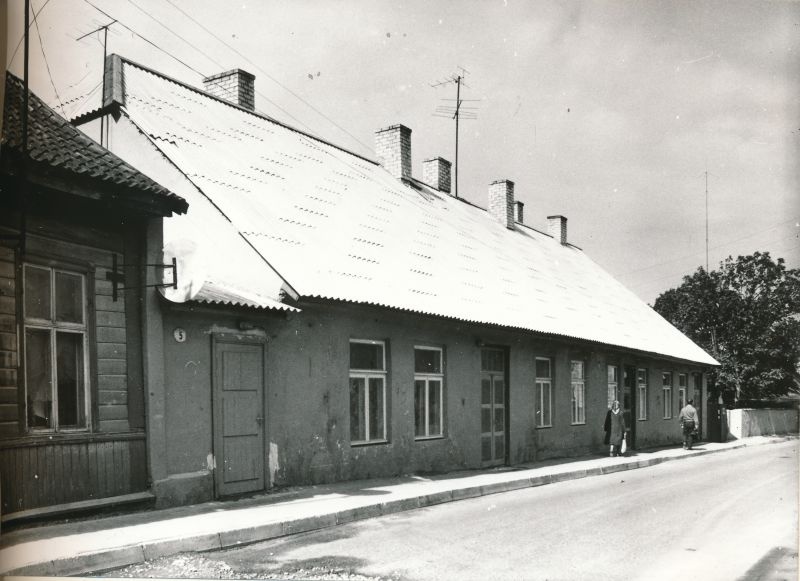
(617, 431)
(689, 423)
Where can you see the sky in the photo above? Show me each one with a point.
(609, 112)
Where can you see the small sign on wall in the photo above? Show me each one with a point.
(179, 334)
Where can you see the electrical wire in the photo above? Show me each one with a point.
(35, 14)
(47, 64)
(270, 77)
(148, 41)
(219, 65)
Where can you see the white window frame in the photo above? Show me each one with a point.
(54, 327)
(578, 394)
(366, 375)
(666, 392)
(613, 386)
(641, 392)
(683, 382)
(541, 384)
(427, 377)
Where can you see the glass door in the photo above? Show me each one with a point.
(493, 407)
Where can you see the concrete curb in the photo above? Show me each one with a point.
(136, 553)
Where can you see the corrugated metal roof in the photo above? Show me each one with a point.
(57, 144)
(223, 294)
(339, 227)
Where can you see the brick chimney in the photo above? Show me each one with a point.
(436, 173)
(393, 150)
(236, 86)
(519, 214)
(501, 202)
(557, 228)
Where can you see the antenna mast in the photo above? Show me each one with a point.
(456, 112)
(104, 28)
(706, 220)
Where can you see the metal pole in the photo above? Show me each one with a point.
(458, 104)
(706, 220)
(103, 96)
(25, 81)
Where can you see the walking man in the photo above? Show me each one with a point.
(689, 422)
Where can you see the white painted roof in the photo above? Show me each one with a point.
(337, 226)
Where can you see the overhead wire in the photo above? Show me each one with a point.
(270, 77)
(218, 64)
(44, 56)
(148, 41)
(35, 14)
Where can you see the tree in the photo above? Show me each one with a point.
(747, 315)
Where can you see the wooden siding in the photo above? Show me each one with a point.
(9, 394)
(41, 473)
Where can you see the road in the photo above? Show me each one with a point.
(732, 515)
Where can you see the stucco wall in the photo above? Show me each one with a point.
(307, 394)
(745, 423)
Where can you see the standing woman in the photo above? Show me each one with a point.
(617, 431)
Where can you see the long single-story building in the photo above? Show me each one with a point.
(339, 318)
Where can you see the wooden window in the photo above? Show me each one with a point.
(367, 391)
(666, 391)
(641, 400)
(428, 385)
(682, 390)
(578, 380)
(56, 349)
(613, 384)
(544, 392)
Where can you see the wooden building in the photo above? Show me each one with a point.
(72, 348)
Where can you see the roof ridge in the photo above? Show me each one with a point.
(263, 116)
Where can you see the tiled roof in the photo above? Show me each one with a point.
(56, 144)
(340, 227)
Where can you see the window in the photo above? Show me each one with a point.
(666, 390)
(56, 391)
(641, 384)
(613, 384)
(682, 390)
(544, 386)
(428, 379)
(578, 392)
(367, 391)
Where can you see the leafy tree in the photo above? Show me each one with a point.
(747, 315)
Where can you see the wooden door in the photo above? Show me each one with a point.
(494, 408)
(238, 417)
(629, 403)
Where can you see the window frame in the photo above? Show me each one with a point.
(578, 386)
(615, 397)
(427, 377)
(641, 394)
(366, 375)
(53, 327)
(539, 384)
(682, 390)
(666, 392)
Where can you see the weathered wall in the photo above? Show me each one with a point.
(745, 423)
(307, 395)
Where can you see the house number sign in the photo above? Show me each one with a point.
(179, 334)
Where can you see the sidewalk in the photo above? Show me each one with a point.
(105, 543)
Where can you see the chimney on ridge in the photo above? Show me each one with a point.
(518, 216)
(236, 86)
(436, 173)
(557, 228)
(393, 150)
(501, 202)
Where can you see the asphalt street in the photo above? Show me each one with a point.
(723, 516)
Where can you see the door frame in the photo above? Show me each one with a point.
(506, 350)
(218, 339)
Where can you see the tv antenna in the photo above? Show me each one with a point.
(456, 111)
(104, 28)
